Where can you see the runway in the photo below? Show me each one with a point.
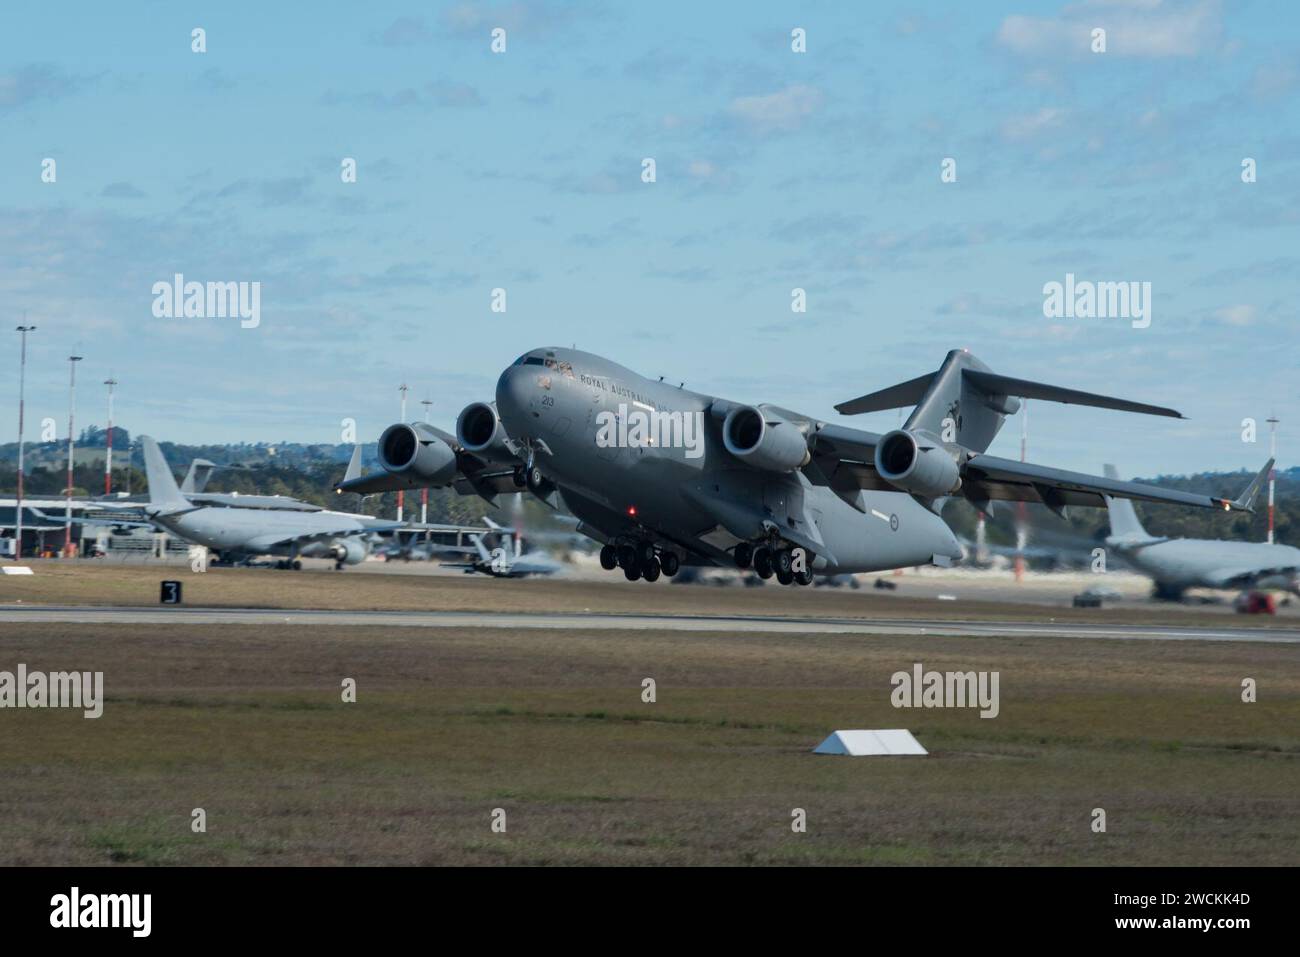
(640, 622)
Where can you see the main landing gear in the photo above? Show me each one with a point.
(775, 559)
(639, 559)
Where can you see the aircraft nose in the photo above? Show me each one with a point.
(512, 393)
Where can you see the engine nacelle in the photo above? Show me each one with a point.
(916, 464)
(764, 440)
(350, 551)
(479, 430)
(414, 451)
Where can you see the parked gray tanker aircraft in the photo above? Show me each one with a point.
(243, 533)
(663, 476)
(1177, 564)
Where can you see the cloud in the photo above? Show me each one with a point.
(215, 80)
(37, 81)
(529, 16)
(405, 32)
(686, 274)
(285, 191)
(1240, 315)
(1027, 126)
(438, 94)
(121, 190)
(781, 112)
(1146, 29)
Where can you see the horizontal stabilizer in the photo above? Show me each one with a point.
(895, 397)
(993, 384)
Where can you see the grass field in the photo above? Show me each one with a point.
(93, 583)
(248, 724)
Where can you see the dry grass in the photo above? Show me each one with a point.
(247, 723)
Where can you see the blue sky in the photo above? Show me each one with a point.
(775, 170)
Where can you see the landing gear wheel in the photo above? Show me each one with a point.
(785, 576)
(631, 572)
(804, 577)
(763, 562)
(626, 555)
(296, 565)
(520, 476)
(744, 554)
(783, 562)
(650, 570)
(535, 479)
(609, 558)
(645, 552)
(670, 564)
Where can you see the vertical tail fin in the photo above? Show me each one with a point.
(965, 403)
(950, 404)
(164, 496)
(1123, 518)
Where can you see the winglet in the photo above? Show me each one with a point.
(1245, 502)
(354, 465)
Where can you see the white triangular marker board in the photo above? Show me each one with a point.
(861, 743)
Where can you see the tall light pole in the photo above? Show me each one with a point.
(1022, 518)
(72, 414)
(400, 497)
(424, 492)
(22, 380)
(108, 457)
(1272, 472)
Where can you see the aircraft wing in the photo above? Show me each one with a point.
(487, 482)
(378, 482)
(1243, 576)
(844, 459)
(476, 478)
(91, 520)
(987, 477)
(267, 542)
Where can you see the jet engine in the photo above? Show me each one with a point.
(764, 439)
(479, 430)
(916, 464)
(349, 551)
(415, 451)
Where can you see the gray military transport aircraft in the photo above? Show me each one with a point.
(1177, 564)
(664, 476)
